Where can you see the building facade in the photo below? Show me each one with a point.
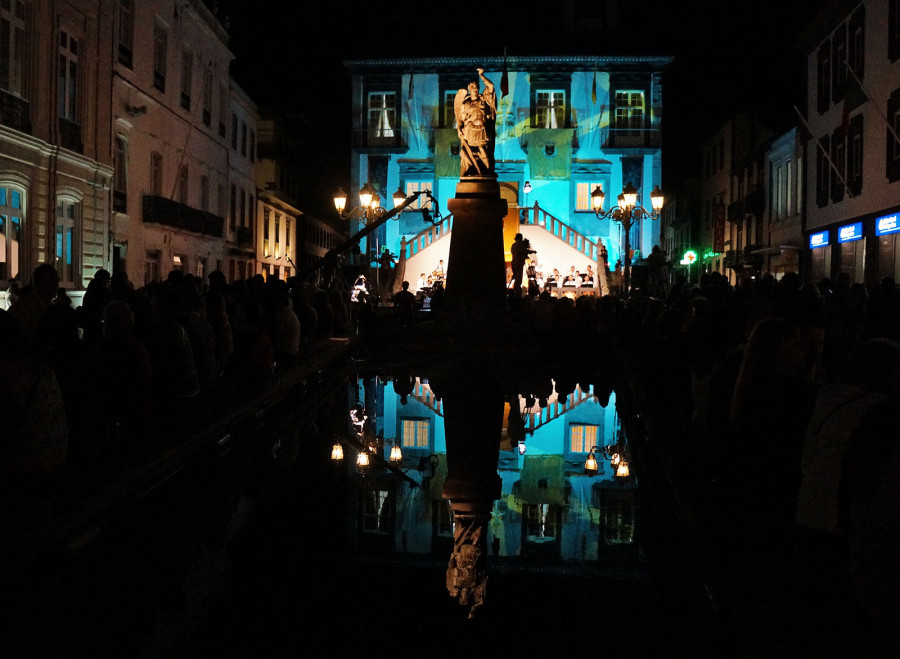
(171, 120)
(853, 151)
(564, 126)
(56, 164)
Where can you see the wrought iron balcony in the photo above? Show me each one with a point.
(159, 210)
(630, 138)
(14, 112)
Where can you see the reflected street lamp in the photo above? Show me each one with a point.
(616, 456)
(627, 213)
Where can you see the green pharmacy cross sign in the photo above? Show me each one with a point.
(690, 257)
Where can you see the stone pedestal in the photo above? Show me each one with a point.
(473, 421)
(476, 268)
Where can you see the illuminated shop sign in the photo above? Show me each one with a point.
(850, 232)
(818, 239)
(887, 224)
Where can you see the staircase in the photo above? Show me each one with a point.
(529, 216)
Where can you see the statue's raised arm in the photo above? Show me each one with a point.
(475, 116)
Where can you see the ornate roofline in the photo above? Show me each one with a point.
(495, 63)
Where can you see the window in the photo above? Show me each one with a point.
(160, 46)
(376, 511)
(207, 98)
(839, 63)
(120, 175)
(204, 193)
(156, 173)
(233, 214)
(823, 78)
(244, 138)
(617, 517)
(243, 208)
(414, 433)
(223, 109)
(126, 32)
(151, 267)
(629, 110)
(583, 437)
(855, 155)
(856, 42)
(12, 47)
(449, 113)
(583, 192)
(413, 187)
(823, 171)
(183, 185)
(541, 520)
(234, 131)
(200, 271)
(839, 162)
(66, 211)
(11, 219)
(187, 69)
(382, 117)
(892, 136)
(252, 146)
(893, 29)
(550, 108)
(67, 89)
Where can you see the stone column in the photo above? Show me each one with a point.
(476, 269)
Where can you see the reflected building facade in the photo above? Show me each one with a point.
(548, 507)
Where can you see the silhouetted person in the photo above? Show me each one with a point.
(519, 251)
(405, 304)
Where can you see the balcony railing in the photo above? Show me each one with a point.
(367, 137)
(70, 136)
(630, 138)
(159, 210)
(14, 112)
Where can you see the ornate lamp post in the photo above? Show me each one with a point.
(626, 213)
(369, 210)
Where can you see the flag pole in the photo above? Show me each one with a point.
(883, 116)
(825, 153)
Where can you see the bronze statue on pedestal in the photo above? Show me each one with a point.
(476, 113)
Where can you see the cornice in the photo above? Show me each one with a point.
(495, 63)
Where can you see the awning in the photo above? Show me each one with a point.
(775, 250)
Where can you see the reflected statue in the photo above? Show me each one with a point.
(466, 575)
(476, 113)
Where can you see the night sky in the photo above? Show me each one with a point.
(727, 55)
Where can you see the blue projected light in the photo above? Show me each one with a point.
(887, 224)
(850, 232)
(819, 239)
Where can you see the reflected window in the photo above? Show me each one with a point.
(415, 433)
(376, 512)
(582, 437)
(444, 518)
(542, 522)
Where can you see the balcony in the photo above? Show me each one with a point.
(159, 210)
(70, 136)
(630, 138)
(367, 138)
(14, 112)
(245, 236)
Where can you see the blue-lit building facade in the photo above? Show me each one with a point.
(564, 126)
(853, 113)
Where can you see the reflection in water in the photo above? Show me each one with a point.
(489, 469)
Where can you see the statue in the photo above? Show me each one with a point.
(466, 574)
(476, 113)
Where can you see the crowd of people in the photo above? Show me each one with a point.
(774, 399)
(83, 383)
(778, 392)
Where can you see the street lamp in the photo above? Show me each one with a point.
(369, 208)
(626, 213)
(616, 456)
